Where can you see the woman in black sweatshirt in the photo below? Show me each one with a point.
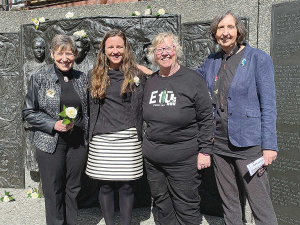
(178, 111)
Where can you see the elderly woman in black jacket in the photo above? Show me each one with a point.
(60, 149)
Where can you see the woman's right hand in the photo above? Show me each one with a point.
(62, 127)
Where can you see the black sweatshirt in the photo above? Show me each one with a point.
(178, 113)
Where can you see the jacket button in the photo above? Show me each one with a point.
(229, 114)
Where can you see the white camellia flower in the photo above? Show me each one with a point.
(148, 12)
(71, 112)
(137, 13)
(81, 33)
(161, 11)
(136, 80)
(29, 191)
(69, 15)
(5, 198)
(42, 20)
(34, 195)
(35, 21)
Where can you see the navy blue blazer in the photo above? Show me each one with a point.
(251, 98)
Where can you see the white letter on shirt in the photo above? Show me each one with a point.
(153, 97)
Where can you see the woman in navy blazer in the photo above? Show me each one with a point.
(241, 81)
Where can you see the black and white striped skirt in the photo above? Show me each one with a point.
(115, 156)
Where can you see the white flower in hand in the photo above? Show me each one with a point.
(148, 12)
(71, 112)
(42, 19)
(69, 15)
(136, 80)
(161, 11)
(6, 198)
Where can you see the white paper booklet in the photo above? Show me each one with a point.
(254, 166)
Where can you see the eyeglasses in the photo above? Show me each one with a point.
(168, 49)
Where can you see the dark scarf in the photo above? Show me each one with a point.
(219, 78)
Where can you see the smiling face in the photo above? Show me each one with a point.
(114, 51)
(64, 58)
(226, 34)
(165, 54)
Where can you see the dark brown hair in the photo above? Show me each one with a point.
(241, 29)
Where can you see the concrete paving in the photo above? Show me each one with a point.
(25, 211)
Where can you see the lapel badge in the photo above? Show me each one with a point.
(50, 93)
(243, 62)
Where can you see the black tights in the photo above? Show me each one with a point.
(126, 197)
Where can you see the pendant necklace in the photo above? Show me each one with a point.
(66, 79)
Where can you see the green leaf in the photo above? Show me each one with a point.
(157, 14)
(64, 107)
(6, 193)
(66, 121)
(39, 196)
(63, 114)
(133, 14)
(36, 27)
(11, 198)
(148, 7)
(2, 199)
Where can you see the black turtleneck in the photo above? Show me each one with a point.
(115, 110)
(69, 96)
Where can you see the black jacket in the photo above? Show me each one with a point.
(136, 106)
(42, 106)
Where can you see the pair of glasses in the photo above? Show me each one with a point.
(168, 49)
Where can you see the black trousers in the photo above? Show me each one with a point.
(227, 171)
(174, 189)
(61, 178)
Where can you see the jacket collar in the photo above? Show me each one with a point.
(51, 72)
(54, 77)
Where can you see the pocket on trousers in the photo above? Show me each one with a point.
(187, 179)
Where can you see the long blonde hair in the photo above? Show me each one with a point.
(100, 79)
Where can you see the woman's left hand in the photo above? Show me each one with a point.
(269, 155)
(203, 161)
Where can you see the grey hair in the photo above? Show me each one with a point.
(159, 39)
(241, 29)
(62, 41)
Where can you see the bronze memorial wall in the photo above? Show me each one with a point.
(285, 52)
(11, 99)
